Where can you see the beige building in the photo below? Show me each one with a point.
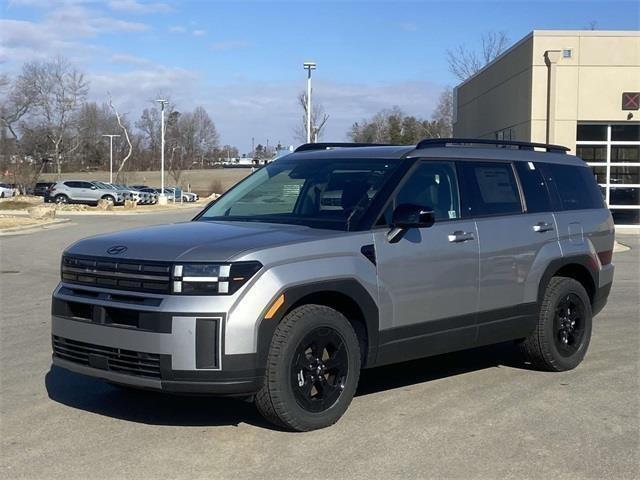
(580, 89)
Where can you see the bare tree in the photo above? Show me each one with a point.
(60, 90)
(318, 120)
(18, 97)
(125, 130)
(443, 115)
(464, 62)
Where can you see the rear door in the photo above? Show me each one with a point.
(512, 237)
(428, 281)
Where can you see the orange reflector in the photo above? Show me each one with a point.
(274, 308)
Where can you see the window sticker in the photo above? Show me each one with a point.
(531, 166)
(452, 214)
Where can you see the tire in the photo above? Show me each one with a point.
(61, 199)
(562, 335)
(1, 194)
(293, 374)
(109, 199)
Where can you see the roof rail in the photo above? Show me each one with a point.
(444, 142)
(306, 147)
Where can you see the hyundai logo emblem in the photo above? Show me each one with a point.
(117, 250)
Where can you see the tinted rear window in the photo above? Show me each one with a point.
(534, 188)
(575, 186)
(489, 189)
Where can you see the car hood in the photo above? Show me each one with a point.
(196, 241)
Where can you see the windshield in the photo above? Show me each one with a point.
(324, 193)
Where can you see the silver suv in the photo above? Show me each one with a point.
(340, 257)
(79, 191)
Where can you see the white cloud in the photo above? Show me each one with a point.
(177, 29)
(133, 6)
(199, 33)
(409, 26)
(230, 45)
(127, 59)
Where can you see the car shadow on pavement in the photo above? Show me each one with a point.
(148, 407)
(155, 408)
(433, 368)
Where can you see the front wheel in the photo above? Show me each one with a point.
(312, 371)
(561, 338)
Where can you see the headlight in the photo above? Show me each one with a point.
(212, 278)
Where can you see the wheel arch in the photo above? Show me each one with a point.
(582, 268)
(347, 296)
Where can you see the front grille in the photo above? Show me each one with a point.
(107, 358)
(131, 275)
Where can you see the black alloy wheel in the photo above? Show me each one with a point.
(320, 367)
(569, 325)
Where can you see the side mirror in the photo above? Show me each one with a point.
(407, 216)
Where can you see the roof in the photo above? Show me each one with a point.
(448, 152)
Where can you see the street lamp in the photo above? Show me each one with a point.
(162, 198)
(308, 66)
(111, 156)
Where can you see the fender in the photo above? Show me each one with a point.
(348, 287)
(588, 262)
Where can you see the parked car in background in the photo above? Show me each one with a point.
(80, 191)
(7, 190)
(41, 188)
(106, 186)
(173, 194)
(128, 193)
(177, 194)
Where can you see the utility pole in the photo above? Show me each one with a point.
(110, 156)
(162, 198)
(308, 66)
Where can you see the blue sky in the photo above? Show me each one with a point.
(242, 60)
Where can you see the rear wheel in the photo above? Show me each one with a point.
(312, 369)
(61, 199)
(563, 333)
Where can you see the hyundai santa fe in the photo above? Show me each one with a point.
(340, 257)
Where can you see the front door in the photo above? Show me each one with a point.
(428, 280)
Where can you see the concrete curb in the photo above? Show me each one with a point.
(24, 229)
(620, 247)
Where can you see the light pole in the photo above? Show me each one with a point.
(162, 198)
(308, 66)
(110, 156)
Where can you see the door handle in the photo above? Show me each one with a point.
(541, 227)
(460, 236)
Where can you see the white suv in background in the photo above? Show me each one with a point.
(79, 191)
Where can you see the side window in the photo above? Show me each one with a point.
(574, 185)
(72, 184)
(488, 189)
(85, 185)
(433, 185)
(534, 188)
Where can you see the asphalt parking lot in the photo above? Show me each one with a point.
(478, 414)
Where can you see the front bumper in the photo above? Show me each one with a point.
(150, 348)
(246, 385)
